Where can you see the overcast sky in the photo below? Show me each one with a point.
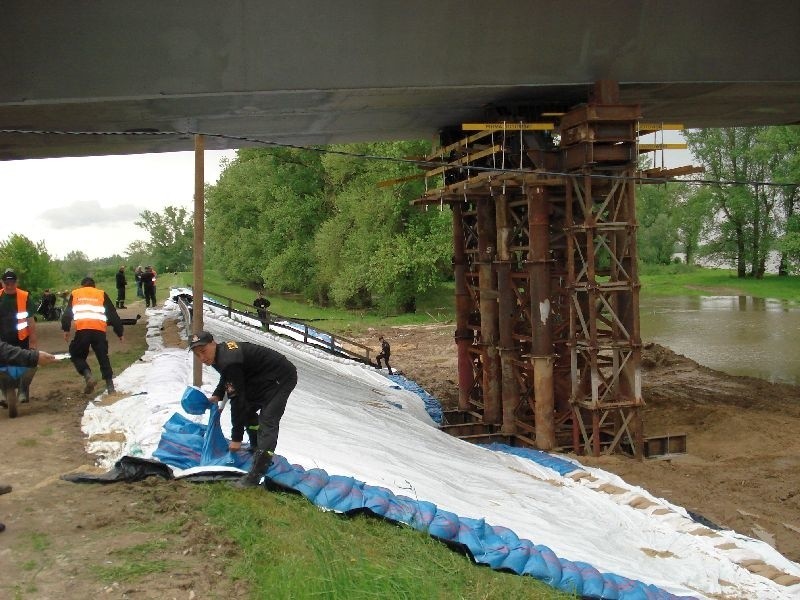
(91, 203)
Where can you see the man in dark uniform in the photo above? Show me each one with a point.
(121, 285)
(385, 352)
(262, 304)
(148, 278)
(92, 310)
(257, 380)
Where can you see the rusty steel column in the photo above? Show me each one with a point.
(632, 371)
(463, 334)
(542, 343)
(489, 338)
(507, 307)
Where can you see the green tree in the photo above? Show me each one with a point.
(74, 267)
(31, 262)
(262, 215)
(138, 254)
(744, 229)
(376, 249)
(171, 237)
(781, 145)
(657, 233)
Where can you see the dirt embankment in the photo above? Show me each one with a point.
(742, 468)
(69, 540)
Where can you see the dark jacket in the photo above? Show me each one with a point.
(121, 281)
(249, 373)
(19, 357)
(147, 278)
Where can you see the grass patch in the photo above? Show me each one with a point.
(39, 541)
(291, 549)
(134, 562)
(27, 442)
(683, 280)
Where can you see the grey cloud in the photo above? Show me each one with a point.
(89, 213)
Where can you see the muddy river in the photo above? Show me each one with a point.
(740, 335)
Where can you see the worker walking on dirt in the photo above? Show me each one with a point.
(17, 324)
(257, 379)
(20, 357)
(122, 283)
(384, 354)
(91, 310)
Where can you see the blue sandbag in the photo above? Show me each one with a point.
(14, 372)
(194, 401)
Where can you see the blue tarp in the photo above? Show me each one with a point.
(185, 444)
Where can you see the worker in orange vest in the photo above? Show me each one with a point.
(92, 310)
(17, 324)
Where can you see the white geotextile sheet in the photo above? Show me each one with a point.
(348, 419)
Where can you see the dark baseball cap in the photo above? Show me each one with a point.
(9, 275)
(201, 338)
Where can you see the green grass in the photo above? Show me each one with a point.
(680, 280)
(292, 549)
(133, 562)
(435, 306)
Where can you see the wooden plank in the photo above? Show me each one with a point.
(389, 182)
(441, 152)
(464, 161)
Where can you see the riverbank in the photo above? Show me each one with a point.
(742, 467)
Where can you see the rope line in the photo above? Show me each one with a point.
(409, 161)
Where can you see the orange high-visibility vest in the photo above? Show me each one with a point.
(22, 314)
(88, 308)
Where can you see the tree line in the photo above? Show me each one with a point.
(324, 223)
(746, 209)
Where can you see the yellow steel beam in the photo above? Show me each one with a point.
(660, 127)
(648, 147)
(507, 126)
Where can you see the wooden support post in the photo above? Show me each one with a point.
(198, 241)
(463, 335)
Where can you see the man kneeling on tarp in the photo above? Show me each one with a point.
(257, 380)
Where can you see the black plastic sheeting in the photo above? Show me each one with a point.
(132, 468)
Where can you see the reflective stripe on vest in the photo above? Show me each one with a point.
(22, 314)
(88, 308)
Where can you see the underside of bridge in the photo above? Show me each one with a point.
(547, 291)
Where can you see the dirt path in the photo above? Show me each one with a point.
(148, 540)
(65, 540)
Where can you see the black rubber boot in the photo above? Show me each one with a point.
(110, 386)
(90, 382)
(24, 394)
(262, 459)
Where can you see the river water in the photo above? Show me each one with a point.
(740, 335)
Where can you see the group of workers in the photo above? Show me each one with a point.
(257, 380)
